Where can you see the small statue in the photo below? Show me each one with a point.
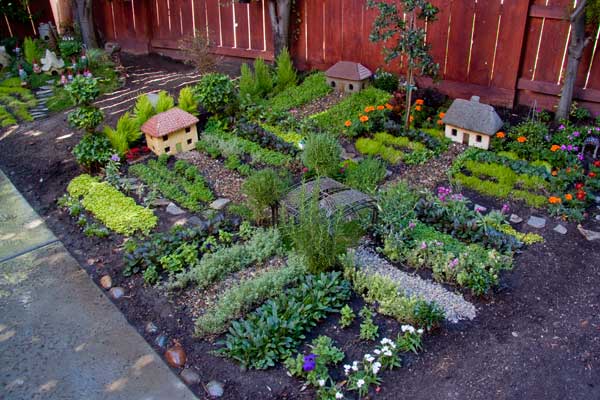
(36, 67)
(63, 80)
(83, 59)
(22, 75)
(17, 51)
(70, 75)
(591, 141)
(74, 63)
(87, 73)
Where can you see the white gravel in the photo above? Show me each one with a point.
(455, 306)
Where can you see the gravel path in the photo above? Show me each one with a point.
(455, 306)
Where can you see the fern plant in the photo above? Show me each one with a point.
(124, 135)
(165, 102)
(143, 110)
(187, 102)
(286, 74)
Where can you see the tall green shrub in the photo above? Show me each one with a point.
(264, 190)
(187, 102)
(247, 84)
(215, 93)
(143, 110)
(286, 74)
(165, 102)
(322, 153)
(262, 76)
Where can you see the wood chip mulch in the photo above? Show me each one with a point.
(318, 105)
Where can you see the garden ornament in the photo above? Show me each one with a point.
(22, 74)
(36, 67)
(63, 79)
(591, 141)
(50, 62)
(4, 57)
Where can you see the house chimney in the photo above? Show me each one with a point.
(475, 99)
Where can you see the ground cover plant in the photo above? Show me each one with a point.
(313, 87)
(15, 103)
(182, 183)
(115, 210)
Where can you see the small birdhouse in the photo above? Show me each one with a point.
(348, 76)
(471, 123)
(173, 131)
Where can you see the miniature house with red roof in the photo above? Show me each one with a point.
(173, 131)
(348, 76)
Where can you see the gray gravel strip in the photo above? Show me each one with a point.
(455, 306)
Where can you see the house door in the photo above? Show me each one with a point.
(465, 138)
(179, 148)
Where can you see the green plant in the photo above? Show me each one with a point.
(164, 102)
(30, 50)
(215, 93)
(69, 47)
(368, 329)
(245, 295)
(313, 87)
(247, 86)
(264, 189)
(366, 175)
(115, 210)
(127, 133)
(184, 256)
(187, 102)
(322, 154)
(93, 151)
(143, 110)
(284, 71)
(83, 90)
(262, 78)
(346, 316)
(385, 80)
(320, 237)
(272, 332)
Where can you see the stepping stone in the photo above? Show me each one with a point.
(589, 235)
(560, 229)
(190, 377)
(174, 210)
(198, 222)
(46, 87)
(219, 204)
(215, 389)
(515, 219)
(536, 222)
(160, 202)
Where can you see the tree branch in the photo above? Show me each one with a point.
(578, 11)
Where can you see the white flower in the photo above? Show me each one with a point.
(386, 341)
(321, 382)
(388, 353)
(355, 366)
(393, 345)
(338, 395)
(369, 358)
(377, 351)
(408, 328)
(385, 348)
(420, 331)
(376, 367)
(360, 383)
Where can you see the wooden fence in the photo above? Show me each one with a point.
(506, 51)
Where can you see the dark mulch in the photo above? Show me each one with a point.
(536, 338)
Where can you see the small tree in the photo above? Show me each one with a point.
(83, 91)
(407, 39)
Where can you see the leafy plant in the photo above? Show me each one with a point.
(346, 316)
(125, 135)
(264, 190)
(164, 102)
(262, 78)
(83, 90)
(284, 71)
(187, 102)
(69, 47)
(313, 87)
(322, 154)
(215, 93)
(92, 151)
(368, 329)
(143, 110)
(366, 175)
(385, 80)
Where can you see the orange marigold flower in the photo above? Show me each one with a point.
(389, 106)
(380, 108)
(418, 108)
(440, 122)
(554, 147)
(348, 123)
(521, 139)
(420, 102)
(554, 200)
(369, 109)
(442, 115)
(569, 196)
(554, 173)
(411, 118)
(363, 118)
(500, 135)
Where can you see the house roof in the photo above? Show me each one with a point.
(168, 122)
(348, 70)
(474, 116)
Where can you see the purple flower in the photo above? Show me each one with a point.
(576, 133)
(505, 208)
(575, 148)
(580, 157)
(423, 245)
(597, 128)
(115, 158)
(570, 148)
(563, 147)
(309, 362)
(453, 263)
(561, 127)
(479, 209)
(411, 225)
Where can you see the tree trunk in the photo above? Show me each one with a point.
(84, 16)
(280, 11)
(578, 43)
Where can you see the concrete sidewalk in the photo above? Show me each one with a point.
(60, 337)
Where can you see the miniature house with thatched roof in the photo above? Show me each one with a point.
(173, 131)
(471, 122)
(348, 76)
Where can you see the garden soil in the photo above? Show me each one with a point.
(536, 338)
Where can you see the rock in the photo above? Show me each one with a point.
(198, 222)
(215, 389)
(597, 217)
(347, 155)
(536, 222)
(50, 62)
(117, 292)
(480, 208)
(174, 210)
(130, 181)
(160, 202)
(151, 327)
(112, 47)
(515, 219)
(560, 229)
(175, 356)
(106, 282)
(161, 341)
(190, 377)
(597, 199)
(46, 87)
(515, 334)
(219, 204)
(589, 235)
(388, 173)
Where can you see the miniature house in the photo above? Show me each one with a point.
(173, 131)
(348, 76)
(471, 122)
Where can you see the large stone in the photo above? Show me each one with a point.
(175, 356)
(515, 219)
(215, 389)
(198, 222)
(560, 229)
(588, 234)
(117, 292)
(106, 282)
(220, 203)
(536, 222)
(50, 62)
(161, 341)
(190, 377)
(174, 210)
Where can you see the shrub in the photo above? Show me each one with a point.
(264, 190)
(197, 51)
(322, 154)
(83, 90)
(366, 175)
(165, 102)
(69, 48)
(262, 77)
(247, 86)
(30, 50)
(215, 92)
(386, 81)
(115, 210)
(319, 237)
(245, 295)
(346, 316)
(187, 102)
(274, 330)
(93, 151)
(285, 72)
(143, 110)
(125, 135)
(368, 329)
(313, 87)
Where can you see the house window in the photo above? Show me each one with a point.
(165, 138)
(478, 138)
(167, 149)
(189, 141)
(454, 132)
(188, 129)
(350, 86)
(332, 83)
